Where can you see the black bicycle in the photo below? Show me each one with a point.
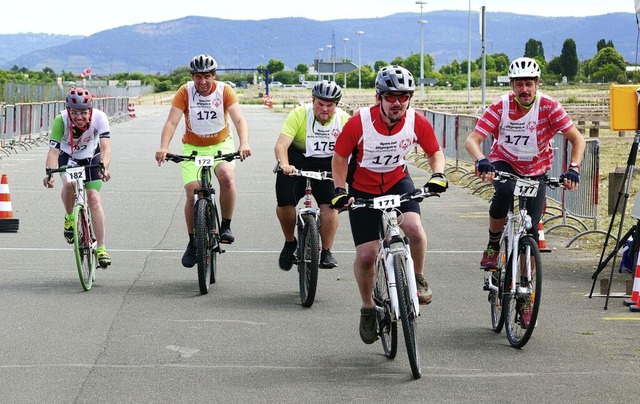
(206, 218)
(307, 256)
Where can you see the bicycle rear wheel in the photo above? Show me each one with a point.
(495, 297)
(408, 315)
(84, 246)
(202, 226)
(387, 325)
(521, 308)
(308, 259)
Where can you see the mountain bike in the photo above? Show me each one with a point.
(307, 255)
(206, 218)
(515, 286)
(395, 291)
(85, 245)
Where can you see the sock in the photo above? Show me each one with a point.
(226, 223)
(494, 239)
(68, 216)
(191, 240)
(291, 243)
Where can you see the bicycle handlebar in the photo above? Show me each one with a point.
(552, 182)
(177, 158)
(417, 194)
(316, 175)
(50, 171)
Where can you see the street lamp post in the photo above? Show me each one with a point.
(332, 58)
(345, 40)
(421, 3)
(359, 33)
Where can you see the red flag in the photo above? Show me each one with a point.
(86, 72)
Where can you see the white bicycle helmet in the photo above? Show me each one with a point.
(395, 78)
(327, 90)
(202, 64)
(524, 68)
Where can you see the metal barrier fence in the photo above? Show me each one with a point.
(24, 125)
(571, 207)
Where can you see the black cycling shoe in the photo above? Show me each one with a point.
(226, 236)
(286, 255)
(189, 257)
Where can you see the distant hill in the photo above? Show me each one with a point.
(160, 47)
(13, 46)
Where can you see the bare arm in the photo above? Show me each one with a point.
(51, 162)
(169, 129)
(339, 169)
(280, 150)
(243, 131)
(105, 153)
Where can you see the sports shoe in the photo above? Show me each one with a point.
(368, 323)
(189, 256)
(68, 230)
(286, 255)
(424, 293)
(489, 259)
(103, 257)
(326, 260)
(226, 236)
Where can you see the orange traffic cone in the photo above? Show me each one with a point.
(132, 110)
(8, 224)
(542, 243)
(634, 301)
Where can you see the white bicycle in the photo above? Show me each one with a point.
(515, 286)
(395, 292)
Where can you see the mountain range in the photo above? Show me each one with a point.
(152, 48)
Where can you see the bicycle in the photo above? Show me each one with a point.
(85, 245)
(515, 286)
(307, 255)
(395, 291)
(206, 218)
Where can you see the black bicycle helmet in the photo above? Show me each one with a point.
(202, 64)
(78, 98)
(327, 90)
(395, 78)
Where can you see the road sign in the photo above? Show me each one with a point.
(428, 81)
(502, 79)
(301, 78)
(335, 67)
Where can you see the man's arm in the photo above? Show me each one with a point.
(243, 131)
(169, 129)
(281, 153)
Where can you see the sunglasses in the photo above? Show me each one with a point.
(80, 113)
(392, 97)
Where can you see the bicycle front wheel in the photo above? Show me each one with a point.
(521, 307)
(308, 260)
(408, 315)
(387, 324)
(495, 297)
(84, 246)
(202, 226)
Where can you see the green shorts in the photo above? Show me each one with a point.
(190, 171)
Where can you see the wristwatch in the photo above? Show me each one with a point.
(574, 166)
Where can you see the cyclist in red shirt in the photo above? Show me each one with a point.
(521, 125)
(377, 139)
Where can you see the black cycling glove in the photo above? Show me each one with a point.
(340, 199)
(437, 183)
(572, 175)
(484, 166)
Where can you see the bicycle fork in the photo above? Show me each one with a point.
(404, 251)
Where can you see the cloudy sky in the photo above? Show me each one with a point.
(89, 17)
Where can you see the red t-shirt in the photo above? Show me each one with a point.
(352, 138)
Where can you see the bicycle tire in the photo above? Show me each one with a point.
(202, 228)
(387, 324)
(495, 298)
(215, 242)
(308, 259)
(408, 315)
(521, 309)
(83, 246)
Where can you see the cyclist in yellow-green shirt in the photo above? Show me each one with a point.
(306, 142)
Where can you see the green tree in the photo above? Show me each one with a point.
(275, 66)
(302, 69)
(569, 59)
(604, 44)
(533, 48)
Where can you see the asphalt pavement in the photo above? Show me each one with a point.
(144, 334)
